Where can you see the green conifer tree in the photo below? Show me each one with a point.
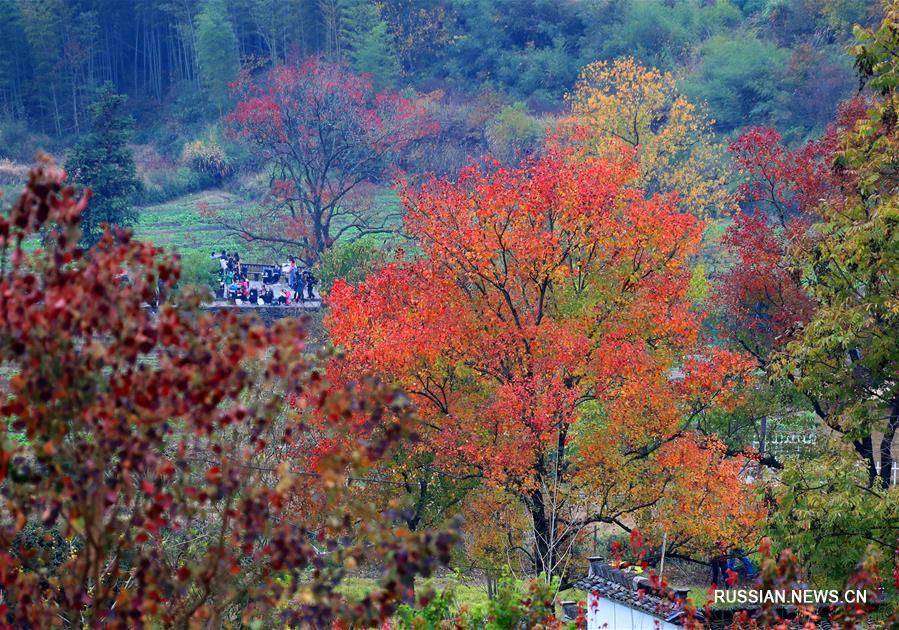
(102, 161)
(371, 47)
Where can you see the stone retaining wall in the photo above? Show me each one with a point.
(268, 314)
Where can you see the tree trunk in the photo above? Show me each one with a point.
(413, 518)
(542, 532)
(886, 446)
(865, 448)
(56, 120)
(75, 103)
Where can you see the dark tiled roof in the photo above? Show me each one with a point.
(630, 590)
(637, 592)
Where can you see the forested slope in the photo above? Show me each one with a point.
(775, 62)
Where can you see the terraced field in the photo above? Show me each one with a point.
(179, 224)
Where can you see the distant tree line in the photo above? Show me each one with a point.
(55, 53)
(778, 62)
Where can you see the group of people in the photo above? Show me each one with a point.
(300, 280)
(234, 283)
(233, 280)
(230, 268)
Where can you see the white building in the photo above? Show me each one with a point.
(621, 600)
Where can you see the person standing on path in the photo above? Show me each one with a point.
(293, 277)
(719, 567)
(291, 271)
(308, 281)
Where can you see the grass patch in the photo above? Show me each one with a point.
(179, 224)
(700, 597)
(467, 595)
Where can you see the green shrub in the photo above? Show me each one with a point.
(739, 76)
(517, 604)
(433, 609)
(168, 184)
(351, 261)
(514, 133)
(43, 549)
(198, 269)
(208, 158)
(20, 144)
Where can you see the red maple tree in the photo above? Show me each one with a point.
(782, 189)
(327, 134)
(547, 336)
(151, 472)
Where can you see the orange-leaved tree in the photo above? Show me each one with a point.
(547, 336)
(150, 470)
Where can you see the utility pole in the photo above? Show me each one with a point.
(662, 561)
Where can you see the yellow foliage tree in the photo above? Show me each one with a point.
(495, 523)
(625, 103)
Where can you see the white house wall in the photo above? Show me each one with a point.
(607, 614)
